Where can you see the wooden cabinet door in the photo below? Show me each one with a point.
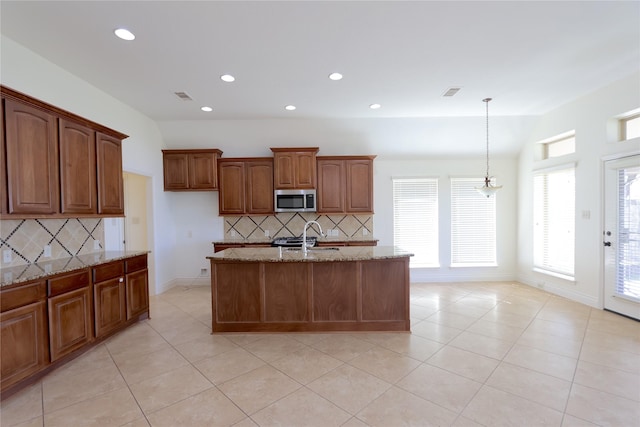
(109, 165)
(25, 348)
(176, 171)
(77, 144)
(32, 159)
(359, 190)
(284, 170)
(109, 305)
(70, 322)
(3, 163)
(331, 186)
(202, 171)
(259, 189)
(137, 289)
(305, 170)
(231, 181)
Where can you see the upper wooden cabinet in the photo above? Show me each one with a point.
(57, 164)
(345, 184)
(32, 159)
(246, 186)
(294, 167)
(190, 170)
(110, 180)
(77, 168)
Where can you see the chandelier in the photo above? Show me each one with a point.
(488, 189)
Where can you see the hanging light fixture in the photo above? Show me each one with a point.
(488, 189)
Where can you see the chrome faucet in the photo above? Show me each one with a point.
(304, 234)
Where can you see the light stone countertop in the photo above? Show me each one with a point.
(27, 272)
(341, 239)
(322, 254)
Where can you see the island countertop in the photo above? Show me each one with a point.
(316, 254)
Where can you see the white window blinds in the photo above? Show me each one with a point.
(554, 221)
(415, 219)
(473, 224)
(628, 248)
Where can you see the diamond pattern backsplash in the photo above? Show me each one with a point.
(290, 224)
(26, 238)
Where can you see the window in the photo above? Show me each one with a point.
(415, 219)
(554, 221)
(630, 127)
(473, 224)
(559, 145)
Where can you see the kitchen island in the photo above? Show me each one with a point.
(325, 289)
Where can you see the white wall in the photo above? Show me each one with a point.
(504, 170)
(594, 119)
(24, 71)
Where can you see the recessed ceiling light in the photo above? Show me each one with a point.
(290, 107)
(124, 34)
(206, 109)
(375, 106)
(335, 76)
(227, 78)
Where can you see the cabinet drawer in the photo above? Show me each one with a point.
(136, 263)
(108, 271)
(23, 295)
(68, 282)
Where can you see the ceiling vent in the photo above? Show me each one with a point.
(184, 96)
(451, 91)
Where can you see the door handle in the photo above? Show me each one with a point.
(606, 243)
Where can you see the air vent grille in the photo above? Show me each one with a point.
(184, 96)
(451, 91)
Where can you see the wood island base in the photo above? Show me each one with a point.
(308, 296)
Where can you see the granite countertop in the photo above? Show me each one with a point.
(325, 254)
(27, 272)
(263, 240)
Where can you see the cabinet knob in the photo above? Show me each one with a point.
(121, 280)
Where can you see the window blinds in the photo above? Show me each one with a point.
(473, 224)
(554, 221)
(415, 219)
(628, 247)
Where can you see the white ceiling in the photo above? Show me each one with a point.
(529, 56)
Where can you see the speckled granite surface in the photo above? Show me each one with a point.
(323, 254)
(24, 273)
(342, 239)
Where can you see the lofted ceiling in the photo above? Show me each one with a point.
(530, 56)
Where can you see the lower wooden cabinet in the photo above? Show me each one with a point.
(137, 286)
(70, 322)
(24, 348)
(109, 304)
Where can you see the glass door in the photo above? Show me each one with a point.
(621, 236)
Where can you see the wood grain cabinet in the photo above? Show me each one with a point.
(109, 297)
(23, 332)
(32, 159)
(57, 164)
(136, 286)
(70, 313)
(190, 170)
(294, 167)
(246, 186)
(77, 144)
(345, 184)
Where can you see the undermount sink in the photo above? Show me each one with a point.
(314, 249)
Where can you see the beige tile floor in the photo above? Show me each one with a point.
(480, 354)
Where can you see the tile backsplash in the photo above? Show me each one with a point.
(291, 224)
(26, 238)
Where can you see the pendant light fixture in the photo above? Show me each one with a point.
(488, 189)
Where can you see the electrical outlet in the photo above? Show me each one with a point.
(336, 232)
(365, 231)
(266, 233)
(96, 245)
(189, 234)
(47, 251)
(233, 233)
(203, 271)
(6, 255)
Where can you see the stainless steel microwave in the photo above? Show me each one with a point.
(294, 200)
